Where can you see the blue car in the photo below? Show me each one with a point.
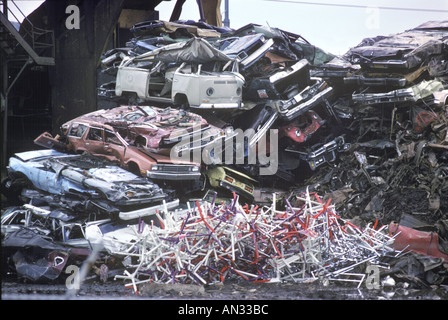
(87, 179)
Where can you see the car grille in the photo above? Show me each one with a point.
(173, 168)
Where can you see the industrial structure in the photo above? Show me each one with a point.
(49, 68)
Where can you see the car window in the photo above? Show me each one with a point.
(143, 112)
(112, 138)
(133, 116)
(77, 130)
(95, 134)
(140, 141)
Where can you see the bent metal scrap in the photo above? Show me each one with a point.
(212, 242)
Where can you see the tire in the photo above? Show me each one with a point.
(133, 167)
(181, 102)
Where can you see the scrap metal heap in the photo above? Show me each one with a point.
(215, 242)
(362, 163)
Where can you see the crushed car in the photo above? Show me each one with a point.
(158, 129)
(186, 28)
(139, 139)
(178, 73)
(106, 142)
(84, 184)
(231, 180)
(42, 246)
(362, 144)
(36, 258)
(402, 51)
(414, 93)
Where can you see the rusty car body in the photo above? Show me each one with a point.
(105, 141)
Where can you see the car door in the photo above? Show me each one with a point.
(94, 141)
(84, 137)
(114, 146)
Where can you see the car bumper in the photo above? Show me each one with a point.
(135, 214)
(297, 106)
(238, 189)
(235, 105)
(173, 176)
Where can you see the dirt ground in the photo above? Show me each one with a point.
(233, 290)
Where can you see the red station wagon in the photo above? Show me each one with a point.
(105, 141)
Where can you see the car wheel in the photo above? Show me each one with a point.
(181, 102)
(133, 167)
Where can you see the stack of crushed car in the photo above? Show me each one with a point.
(185, 105)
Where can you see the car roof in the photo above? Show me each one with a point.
(39, 154)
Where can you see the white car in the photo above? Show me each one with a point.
(207, 89)
(177, 75)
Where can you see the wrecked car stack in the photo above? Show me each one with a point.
(245, 153)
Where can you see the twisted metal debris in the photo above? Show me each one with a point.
(214, 241)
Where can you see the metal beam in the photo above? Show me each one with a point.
(5, 111)
(201, 10)
(226, 14)
(175, 15)
(39, 60)
(5, 7)
(4, 105)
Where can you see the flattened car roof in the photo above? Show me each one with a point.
(195, 50)
(38, 154)
(433, 25)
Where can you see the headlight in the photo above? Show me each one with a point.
(155, 167)
(195, 168)
(210, 91)
(238, 91)
(298, 133)
(248, 189)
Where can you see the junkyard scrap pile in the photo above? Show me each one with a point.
(219, 154)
